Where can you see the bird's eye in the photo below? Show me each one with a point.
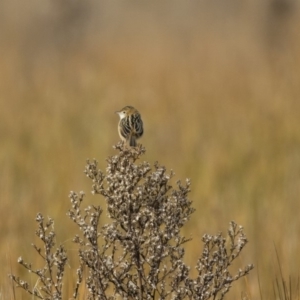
(124, 112)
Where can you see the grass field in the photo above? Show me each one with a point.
(217, 84)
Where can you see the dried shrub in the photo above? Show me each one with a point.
(139, 254)
(50, 277)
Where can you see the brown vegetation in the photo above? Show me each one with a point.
(217, 85)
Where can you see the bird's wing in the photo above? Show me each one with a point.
(137, 124)
(125, 127)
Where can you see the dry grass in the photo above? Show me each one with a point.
(217, 86)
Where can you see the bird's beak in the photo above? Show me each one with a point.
(116, 112)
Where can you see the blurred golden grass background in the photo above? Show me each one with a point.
(217, 84)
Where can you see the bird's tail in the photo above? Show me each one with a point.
(132, 141)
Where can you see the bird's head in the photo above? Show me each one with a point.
(126, 111)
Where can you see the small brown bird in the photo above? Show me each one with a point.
(130, 126)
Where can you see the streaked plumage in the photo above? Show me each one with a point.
(130, 126)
